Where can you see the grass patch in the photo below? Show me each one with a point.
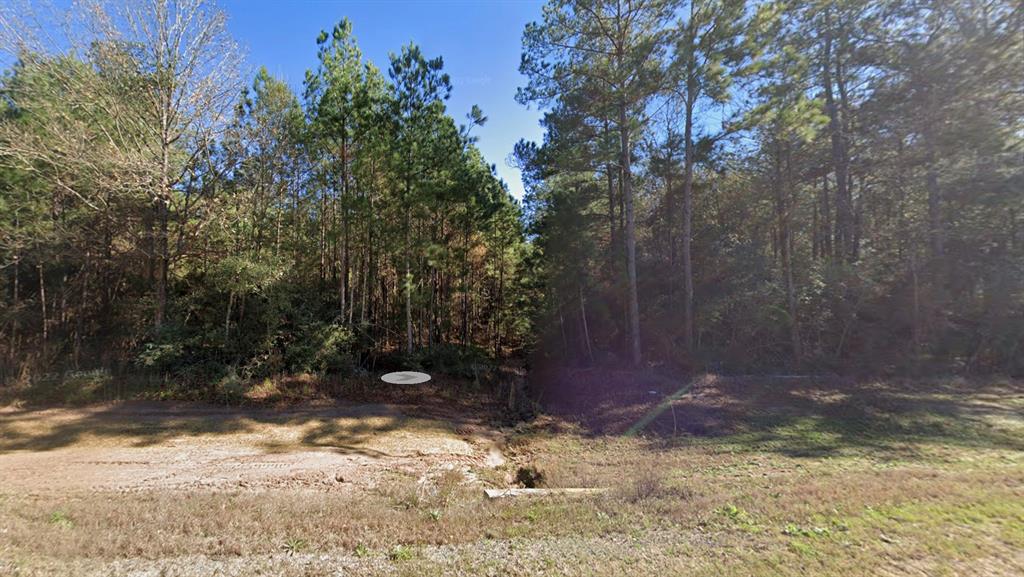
(785, 496)
(738, 518)
(401, 553)
(61, 519)
(294, 546)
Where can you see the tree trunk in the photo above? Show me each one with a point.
(344, 224)
(815, 229)
(688, 162)
(42, 302)
(630, 232)
(687, 234)
(561, 325)
(166, 94)
(323, 236)
(609, 172)
(916, 330)
(366, 312)
(612, 239)
(163, 263)
(670, 217)
(501, 301)
(586, 329)
(277, 221)
(80, 313)
(844, 208)
(227, 318)
(826, 221)
(162, 217)
(786, 246)
(408, 276)
(15, 292)
(935, 236)
(465, 280)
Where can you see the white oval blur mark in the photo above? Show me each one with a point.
(405, 378)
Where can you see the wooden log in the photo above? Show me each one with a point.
(502, 493)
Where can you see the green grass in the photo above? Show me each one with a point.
(61, 519)
(293, 546)
(930, 488)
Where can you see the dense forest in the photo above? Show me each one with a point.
(783, 185)
(728, 186)
(162, 213)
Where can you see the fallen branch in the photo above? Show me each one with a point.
(501, 493)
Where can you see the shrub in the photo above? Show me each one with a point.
(469, 362)
(324, 348)
(230, 389)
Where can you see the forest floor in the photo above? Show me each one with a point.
(752, 476)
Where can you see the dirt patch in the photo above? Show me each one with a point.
(140, 446)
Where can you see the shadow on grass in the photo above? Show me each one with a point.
(808, 417)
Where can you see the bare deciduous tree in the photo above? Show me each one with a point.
(178, 55)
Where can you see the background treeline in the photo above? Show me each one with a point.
(793, 185)
(804, 185)
(160, 212)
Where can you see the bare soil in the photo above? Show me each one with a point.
(181, 446)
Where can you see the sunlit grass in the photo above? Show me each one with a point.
(917, 494)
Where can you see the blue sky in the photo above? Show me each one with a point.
(480, 43)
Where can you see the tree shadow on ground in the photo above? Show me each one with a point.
(333, 413)
(342, 428)
(803, 417)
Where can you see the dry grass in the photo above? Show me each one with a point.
(935, 494)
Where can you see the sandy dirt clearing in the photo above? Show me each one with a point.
(179, 446)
